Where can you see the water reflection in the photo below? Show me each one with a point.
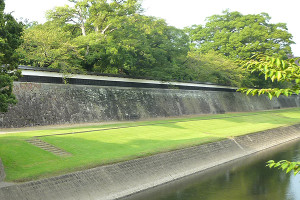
(244, 179)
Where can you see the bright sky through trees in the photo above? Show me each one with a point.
(183, 13)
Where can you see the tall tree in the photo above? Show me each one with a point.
(98, 20)
(10, 39)
(49, 46)
(93, 15)
(104, 15)
(111, 37)
(138, 46)
(75, 16)
(240, 36)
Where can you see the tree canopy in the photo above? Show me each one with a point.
(114, 37)
(49, 46)
(239, 36)
(10, 40)
(215, 68)
(107, 37)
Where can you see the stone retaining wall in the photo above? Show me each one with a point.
(51, 104)
(125, 178)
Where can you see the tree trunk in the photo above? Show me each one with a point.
(105, 29)
(82, 23)
(96, 29)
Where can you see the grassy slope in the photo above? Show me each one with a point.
(24, 161)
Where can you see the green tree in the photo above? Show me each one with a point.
(278, 70)
(139, 46)
(49, 46)
(75, 16)
(105, 16)
(240, 36)
(215, 68)
(111, 37)
(10, 39)
(93, 15)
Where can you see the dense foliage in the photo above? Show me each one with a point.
(275, 69)
(114, 37)
(240, 36)
(214, 67)
(10, 39)
(48, 46)
(106, 37)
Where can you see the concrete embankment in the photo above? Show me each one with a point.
(125, 178)
(2, 172)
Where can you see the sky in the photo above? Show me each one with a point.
(182, 13)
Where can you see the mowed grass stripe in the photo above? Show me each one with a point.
(24, 161)
(151, 124)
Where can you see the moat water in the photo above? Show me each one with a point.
(243, 179)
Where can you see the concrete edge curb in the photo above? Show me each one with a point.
(125, 178)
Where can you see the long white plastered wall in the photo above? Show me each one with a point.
(125, 178)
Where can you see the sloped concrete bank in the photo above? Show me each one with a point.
(52, 104)
(2, 172)
(125, 178)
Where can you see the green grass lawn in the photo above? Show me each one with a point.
(117, 142)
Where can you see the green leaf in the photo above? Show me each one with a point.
(290, 167)
(273, 78)
(277, 164)
(270, 95)
(273, 60)
(278, 62)
(283, 64)
(261, 92)
(271, 73)
(278, 75)
(277, 93)
(253, 70)
(248, 92)
(286, 92)
(266, 77)
(254, 92)
(284, 165)
(271, 165)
